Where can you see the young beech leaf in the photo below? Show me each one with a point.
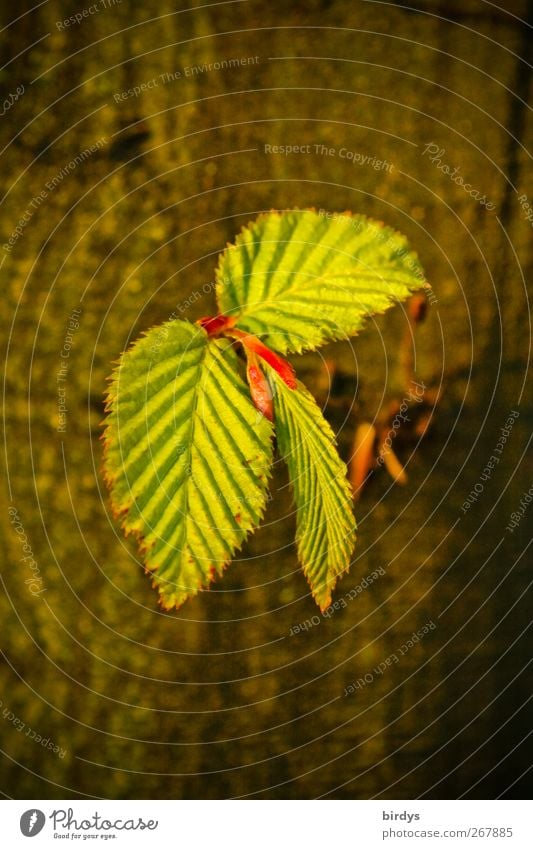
(188, 444)
(187, 455)
(325, 526)
(299, 279)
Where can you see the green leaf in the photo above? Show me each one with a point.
(299, 279)
(187, 455)
(325, 525)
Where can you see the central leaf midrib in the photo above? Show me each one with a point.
(248, 310)
(190, 482)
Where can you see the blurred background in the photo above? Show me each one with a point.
(136, 140)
